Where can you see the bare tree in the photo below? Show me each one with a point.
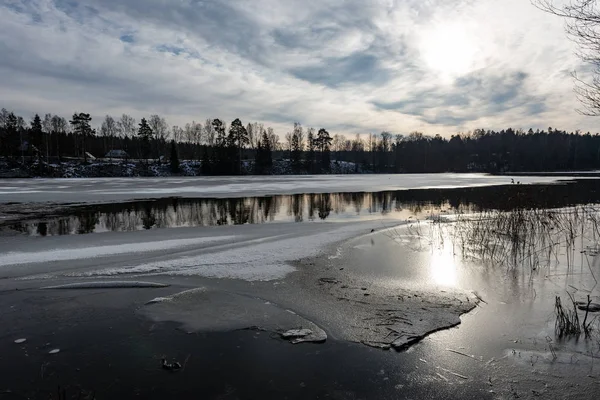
(127, 126)
(159, 127)
(199, 136)
(47, 130)
(273, 139)
(299, 134)
(188, 132)
(255, 130)
(209, 132)
(582, 19)
(288, 141)
(177, 133)
(251, 134)
(4, 117)
(160, 132)
(358, 144)
(108, 130)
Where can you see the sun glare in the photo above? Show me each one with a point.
(448, 50)
(443, 267)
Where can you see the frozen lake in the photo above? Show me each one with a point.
(119, 189)
(342, 256)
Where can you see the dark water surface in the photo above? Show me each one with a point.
(186, 212)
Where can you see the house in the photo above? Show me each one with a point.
(117, 154)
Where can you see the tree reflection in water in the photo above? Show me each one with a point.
(180, 212)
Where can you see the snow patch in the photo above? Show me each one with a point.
(65, 254)
(262, 259)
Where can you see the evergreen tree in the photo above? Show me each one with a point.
(174, 160)
(37, 135)
(310, 155)
(82, 129)
(324, 146)
(259, 159)
(264, 160)
(220, 155)
(10, 138)
(238, 139)
(145, 133)
(296, 147)
(268, 151)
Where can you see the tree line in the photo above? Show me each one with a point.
(254, 148)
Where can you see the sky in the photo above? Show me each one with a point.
(350, 66)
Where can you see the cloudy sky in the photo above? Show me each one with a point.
(351, 66)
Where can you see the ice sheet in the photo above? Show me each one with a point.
(82, 190)
(70, 253)
(248, 252)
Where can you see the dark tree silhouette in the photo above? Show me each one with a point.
(221, 164)
(238, 139)
(324, 145)
(311, 144)
(145, 133)
(263, 160)
(297, 147)
(174, 159)
(82, 128)
(37, 135)
(481, 150)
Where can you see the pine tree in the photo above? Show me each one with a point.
(145, 133)
(238, 139)
(267, 151)
(259, 158)
(220, 154)
(10, 138)
(174, 160)
(36, 134)
(297, 146)
(264, 160)
(82, 128)
(324, 144)
(310, 156)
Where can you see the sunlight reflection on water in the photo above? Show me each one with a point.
(443, 266)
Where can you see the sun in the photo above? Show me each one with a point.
(449, 50)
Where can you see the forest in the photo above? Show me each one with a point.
(238, 148)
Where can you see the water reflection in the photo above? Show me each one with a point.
(178, 212)
(443, 266)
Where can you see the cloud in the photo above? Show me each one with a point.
(351, 66)
(357, 68)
